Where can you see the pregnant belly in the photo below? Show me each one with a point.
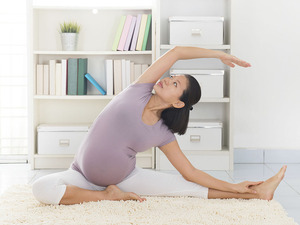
(107, 169)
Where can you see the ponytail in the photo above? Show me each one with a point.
(176, 119)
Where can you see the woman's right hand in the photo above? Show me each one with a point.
(230, 60)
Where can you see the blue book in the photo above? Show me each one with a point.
(92, 80)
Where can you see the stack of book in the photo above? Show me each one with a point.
(133, 33)
(69, 76)
(120, 73)
(64, 77)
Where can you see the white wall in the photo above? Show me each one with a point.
(267, 96)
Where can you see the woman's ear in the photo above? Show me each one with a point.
(178, 104)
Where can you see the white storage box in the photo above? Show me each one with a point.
(201, 135)
(60, 139)
(196, 30)
(211, 81)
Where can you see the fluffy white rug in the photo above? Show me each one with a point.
(18, 206)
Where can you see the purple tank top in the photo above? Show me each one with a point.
(107, 154)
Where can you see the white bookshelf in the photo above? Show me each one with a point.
(207, 108)
(95, 42)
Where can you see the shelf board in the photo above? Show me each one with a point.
(99, 7)
(92, 52)
(224, 151)
(73, 97)
(224, 47)
(109, 97)
(214, 100)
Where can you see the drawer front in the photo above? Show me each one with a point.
(211, 86)
(59, 142)
(196, 33)
(201, 139)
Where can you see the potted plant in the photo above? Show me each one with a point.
(69, 35)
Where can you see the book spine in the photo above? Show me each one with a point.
(137, 70)
(109, 76)
(46, 79)
(144, 67)
(95, 83)
(123, 61)
(119, 33)
(130, 34)
(72, 76)
(124, 33)
(39, 79)
(52, 77)
(58, 79)
(131, 72)
(64, 76)
(136, 32)
(82, 70)
(127, 66)
(141, 32)
(117, 76)
(147, 33)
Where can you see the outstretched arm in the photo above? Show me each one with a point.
(166, 61)
(190, 173)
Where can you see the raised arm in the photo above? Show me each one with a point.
(166, 61)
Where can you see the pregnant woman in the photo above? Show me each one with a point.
(134, 121)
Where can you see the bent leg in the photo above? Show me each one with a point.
(71, 187)
(50, 189)
(156, 183)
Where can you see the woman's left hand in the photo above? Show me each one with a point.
(230, 60)
(244, 187)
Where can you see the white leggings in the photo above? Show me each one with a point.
(50, 189)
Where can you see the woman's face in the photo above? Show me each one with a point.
(171, 88)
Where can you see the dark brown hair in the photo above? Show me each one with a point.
(176, 119)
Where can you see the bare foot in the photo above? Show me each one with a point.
(266, 190)
(114, 193)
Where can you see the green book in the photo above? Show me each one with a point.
(72, 76)
(147, 33)
(119, 33)
(82, 82)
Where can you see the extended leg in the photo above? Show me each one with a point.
(264, 191)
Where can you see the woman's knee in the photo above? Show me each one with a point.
(47, 190)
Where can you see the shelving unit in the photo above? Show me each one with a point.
(207, 108)
(95, 42)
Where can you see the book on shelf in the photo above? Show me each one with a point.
(109, 76)
(133, 33)
(82, 70)
(117, 76)
(136, 32)
(64, 77)
(146, 32)
(52, 76)
(58, 79)
(39, 79)
(125, 33)
(46, 80)
(119, 33)
(130, 34)
(141, 32)
(72, 76)
(95, 83)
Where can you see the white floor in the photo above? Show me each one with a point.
(288, 193)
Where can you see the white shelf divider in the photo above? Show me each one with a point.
(92, 52)
(217, 47)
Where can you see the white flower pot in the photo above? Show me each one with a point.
(69, 41)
